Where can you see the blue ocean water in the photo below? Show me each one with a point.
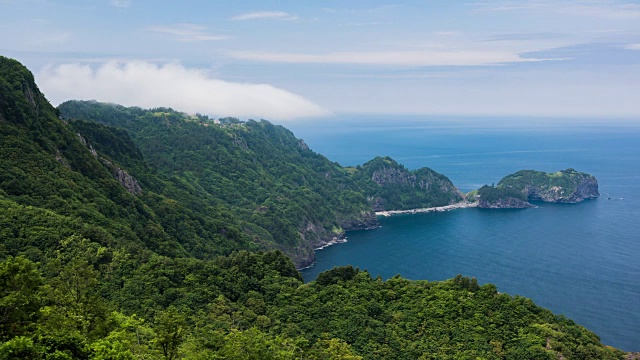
(579, 260)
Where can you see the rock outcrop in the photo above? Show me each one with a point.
(391, 186)
(124, 178)
(566, 186)
(516, 190)
(127, 181)
(366, 221)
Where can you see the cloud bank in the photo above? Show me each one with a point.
(144, 84)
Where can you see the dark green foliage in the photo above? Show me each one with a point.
(395, 187)
(19, 285)
(492, 194)
(566, 186)
(53, 186)
(524, 179)
(337, 275)
(287, 196)
(561, 186)
(90, 270)
(248, 305)
(43, 165)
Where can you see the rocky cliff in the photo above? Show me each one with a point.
(391, 186)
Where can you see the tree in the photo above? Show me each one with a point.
(20, 299)
(170, 328)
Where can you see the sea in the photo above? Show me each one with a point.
(579, 260)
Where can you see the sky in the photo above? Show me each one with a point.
(302, 59)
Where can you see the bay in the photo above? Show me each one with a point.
(579, 260)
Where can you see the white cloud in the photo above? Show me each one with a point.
(138, 83)
(632, 47)
(187, 32)
(403, 58)
(120, 3)
(273, 15)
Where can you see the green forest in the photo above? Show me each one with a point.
(282, 194)
(152, 234)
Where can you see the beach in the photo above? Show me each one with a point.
(460, 205)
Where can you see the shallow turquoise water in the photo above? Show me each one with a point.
(578, 260)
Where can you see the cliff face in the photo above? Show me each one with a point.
(366, 221)
(391, 186)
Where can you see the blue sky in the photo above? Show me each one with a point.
(289, 60)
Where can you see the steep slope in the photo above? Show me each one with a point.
(288, 197)
(45, 164)
(391, 186)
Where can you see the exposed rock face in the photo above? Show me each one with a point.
(389, 175)
(123, 177)
(633, 356)
(394, 187)
(302, 145)
(127, 181)
(315, 237)
(506, 203)
(366, 221)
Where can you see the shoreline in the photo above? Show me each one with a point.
(336, 240)
(460, 205)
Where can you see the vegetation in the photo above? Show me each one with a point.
(284, 195)
(394, 187)
(567, 186)
(562, 186)
(93, 268)
(90, 302)
(492, 194)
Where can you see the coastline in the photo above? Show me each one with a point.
(460, 205)
(341, 240)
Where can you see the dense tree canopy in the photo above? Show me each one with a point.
(151, 234)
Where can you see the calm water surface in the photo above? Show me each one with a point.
(581, 260)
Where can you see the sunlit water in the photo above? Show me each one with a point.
(580, 260)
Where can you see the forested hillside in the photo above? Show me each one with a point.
(285, 195)
(137, 241)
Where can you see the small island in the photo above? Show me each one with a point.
(515, 191)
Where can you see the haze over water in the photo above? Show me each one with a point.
(577, 260)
